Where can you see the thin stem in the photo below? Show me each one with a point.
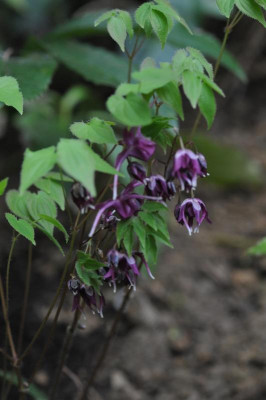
(105, 347)
(98, 216)
(62, 280)
(14, 238)
(65, 196)
(26, 297)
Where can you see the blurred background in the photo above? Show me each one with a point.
(197, 331)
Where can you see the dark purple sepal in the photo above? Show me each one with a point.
(190, 210)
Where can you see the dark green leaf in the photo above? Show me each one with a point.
(251, 9)
(261, 3)
(139, 230)
(10, 93)
(121, 228)
(3, 185)
(152, 206)
(131, 111)
(90, 62)
(88, 262)
(159, 25)
(128, 239)
(35, 165)
(86, 267)
(32, 391)
(151, 251)
(149, 219)
(23, 227)
(207, 104)
(170, 94)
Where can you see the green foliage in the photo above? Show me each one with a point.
(170, 94)
(54, 189)
(56, 223)
(32, 391)
(10, 93)
(35, 165)
(207, 104)
(252, 9)
(33, 73)
(96, 131)
(131, 110)
(18, 203)
(3, 185)
(21, 226)
(225, 7)
(41, 204)
(86, 268)
(158, 131)
(153, 78)
(259, 249)
(96, 65)
(192, 85)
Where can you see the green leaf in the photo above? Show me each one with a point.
(46, 233)
(57, 176)
(251, 9)
(207, 104)
(105, 16)
(75, 157)
(142, 15)
(35, 165)
(149, 219)
(153, 78)
(159, 235)
(128, 240)
(151, 251)
(211, 84)
(10, 93)
(56, 223)
(32, 391)
(261, 3)
(159, 25)
(225, 7)
(131, 111)
(41, 204)
(33, 73)
(23, 227)
(89, 62)
(140, 231)
(126, 88)
(53, 189)
(259, 249)
(153, 206)
(121, 228)
(170, 11)
(197, 55)
(18, 203)
(192, 85)
(170, 94)
(86, 267)
(118, 31)
(157, 131)
(96, 131)
(128, 22)
(3, 185)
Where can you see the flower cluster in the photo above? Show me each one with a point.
(120, 268)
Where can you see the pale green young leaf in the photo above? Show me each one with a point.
(225, 7)
(101, 165)
(153, 78)
(128, 22)
(21, 226)
(126, 88)
(259, 249)
(211, 84)
(56, 223)
(159, 25)
(140, 231)
(96, 131)
(53, 189)
(207, 104)
(128, 240)
(117, 30)
(18, 203)
(104, 17)
(35, 165)
(41, 204)
(10, 93)
(170, 94)
(3, 185)
(251, 9)
(197, 55)
(192, 85)
(131, 111)
(75, 157)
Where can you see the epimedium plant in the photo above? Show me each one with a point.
(117, 229)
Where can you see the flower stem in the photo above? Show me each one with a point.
(14, 238)
(105, 347)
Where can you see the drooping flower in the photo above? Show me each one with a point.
(187, 167)
(189, 210)
(137, 171)
(109, 220)
(137, 145)
(157, 186)
(93, 300)
(82, 198)
(121, 269)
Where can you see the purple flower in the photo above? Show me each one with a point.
(109, 220)
(137, 171)
(93, 300)
(157, 186)
(82, 198)
(187, 167)
(137, 145)
(121, 269)
(188, 210)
